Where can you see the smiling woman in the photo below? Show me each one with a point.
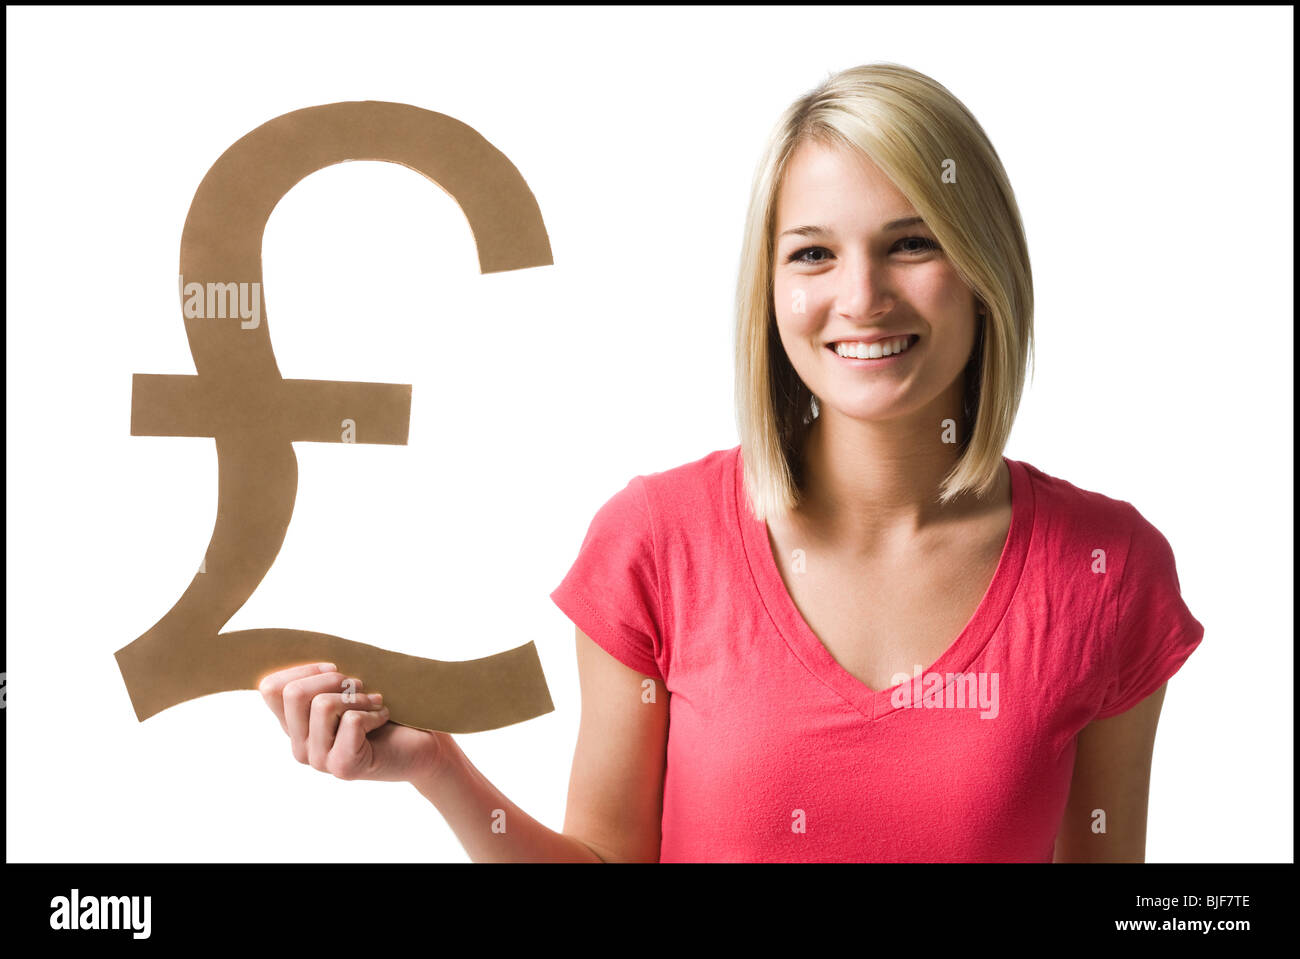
(936, 234)
(880, 639)
(870, 288)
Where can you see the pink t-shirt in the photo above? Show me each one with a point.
(777, 754)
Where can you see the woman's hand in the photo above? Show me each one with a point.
(336, 728)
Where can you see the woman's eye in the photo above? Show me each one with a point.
(927, 243)
(798, 256)
(926, 246)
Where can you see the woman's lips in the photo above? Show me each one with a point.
(853, 361)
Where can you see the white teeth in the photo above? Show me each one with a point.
(874, 351)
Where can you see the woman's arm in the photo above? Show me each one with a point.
(488, 825)
(1112, 773)
(615, 787)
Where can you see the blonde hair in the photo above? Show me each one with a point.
(913, 129)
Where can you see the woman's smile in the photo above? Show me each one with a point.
(891, 352)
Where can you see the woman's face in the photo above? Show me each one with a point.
(862, 276)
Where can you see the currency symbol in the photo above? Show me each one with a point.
(239, 398)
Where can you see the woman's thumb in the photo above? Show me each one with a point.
(353, 727)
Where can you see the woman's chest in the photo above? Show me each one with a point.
(882, 619)
(811, 780)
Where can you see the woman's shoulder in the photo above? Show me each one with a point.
(1073, 511)
(706, 470)
(684, 495)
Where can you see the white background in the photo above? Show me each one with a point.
(1151, 155)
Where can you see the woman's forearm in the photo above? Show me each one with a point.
(488, 825)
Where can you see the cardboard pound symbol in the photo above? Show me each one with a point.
(254, 414)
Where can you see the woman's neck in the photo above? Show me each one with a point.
(871, 487)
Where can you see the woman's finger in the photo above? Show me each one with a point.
(349, 752)
(326, 711)
(298, 694)
(272, 686)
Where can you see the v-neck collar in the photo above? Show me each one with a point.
(810, 650)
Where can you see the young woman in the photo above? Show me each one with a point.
(862, 634)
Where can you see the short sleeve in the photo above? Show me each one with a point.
(1155, 632)
(612, 590)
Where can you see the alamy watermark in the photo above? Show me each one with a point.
(220, 301)
(931, 690)
(101, 912)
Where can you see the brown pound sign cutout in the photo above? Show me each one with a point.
(240, 399)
